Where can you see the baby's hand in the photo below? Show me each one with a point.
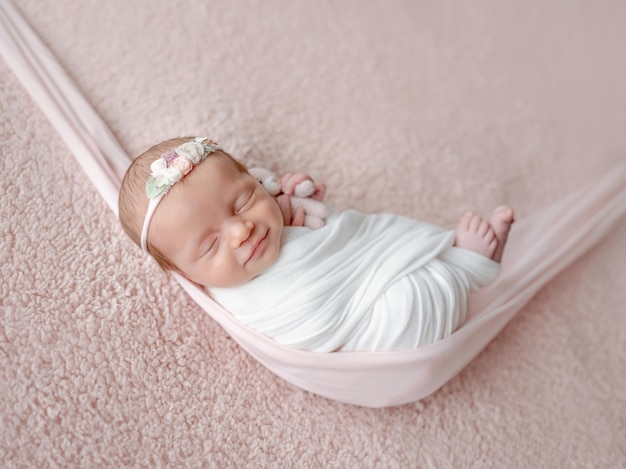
(299, 197)
(305, 198)
(302, 185)
(300, 211)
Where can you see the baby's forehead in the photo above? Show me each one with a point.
(217, 165)
(217, 177)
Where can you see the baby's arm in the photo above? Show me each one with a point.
(291, 217)
(299, 197)
(305, 197)
(302, 185)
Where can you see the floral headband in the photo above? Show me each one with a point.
(170, 168)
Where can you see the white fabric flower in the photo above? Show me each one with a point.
(192, 150)
(161, 178)
(161, 172)
(181, 161)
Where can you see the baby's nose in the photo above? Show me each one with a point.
(239, 232)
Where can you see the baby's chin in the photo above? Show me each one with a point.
(269, 261)
(223, 284)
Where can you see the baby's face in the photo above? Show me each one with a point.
(218, 225)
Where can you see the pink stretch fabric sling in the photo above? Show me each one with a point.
(540, 246)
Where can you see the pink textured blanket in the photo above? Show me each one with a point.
(106, 361)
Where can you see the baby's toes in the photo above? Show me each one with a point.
(489, 234)
(484, 228)
(505, 213)
(465, 221)
(475, 223)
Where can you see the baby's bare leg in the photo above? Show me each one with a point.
(501, 221)
(487, 238)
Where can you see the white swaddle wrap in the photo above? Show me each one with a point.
(362, 282)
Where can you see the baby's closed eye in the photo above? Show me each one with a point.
(209, 246)
(244, 201)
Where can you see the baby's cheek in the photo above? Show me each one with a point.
(223, 271)
(191, 274)
(279, 211)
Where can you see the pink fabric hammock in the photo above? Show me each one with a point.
(540, 246)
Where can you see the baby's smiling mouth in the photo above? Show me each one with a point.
(256, 245)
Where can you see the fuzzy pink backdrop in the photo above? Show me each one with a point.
(422, 108)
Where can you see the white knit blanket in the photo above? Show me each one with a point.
(362, 282)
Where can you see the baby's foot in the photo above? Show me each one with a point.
(474, 233)
(501, 221)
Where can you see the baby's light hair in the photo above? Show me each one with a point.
(133, 201)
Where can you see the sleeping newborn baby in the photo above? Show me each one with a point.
(360, 282)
